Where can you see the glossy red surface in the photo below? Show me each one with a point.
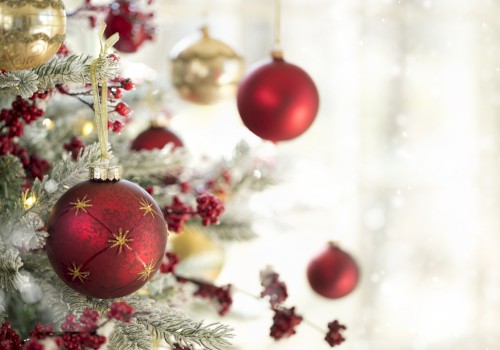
(277, 100)
(333, 273)
(106, 239)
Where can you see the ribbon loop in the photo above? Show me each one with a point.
(100, 98)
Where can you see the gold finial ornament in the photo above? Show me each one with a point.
(31, 32)
(104, 173)
(205, 70)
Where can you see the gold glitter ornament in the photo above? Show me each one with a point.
(205, 70)
(31, 32)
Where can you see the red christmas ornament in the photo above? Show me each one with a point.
(333, 273)
(155, 137)
(277, 100)
(106, 238)
(126, 19)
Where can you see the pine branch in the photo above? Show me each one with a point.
(12, 174)
(27, 233)
(145, 164)
(130, 336)
(73, 69)
(23, 82)
(174, 327)
(230, 229)
(10, 263)
(64, 175)
(59, 70)
(62, 300)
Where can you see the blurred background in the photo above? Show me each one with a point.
(400, 167)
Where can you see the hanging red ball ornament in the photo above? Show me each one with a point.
(156, 136)
(107, 237)
(333, 273)
(277, 100)
(134, 27)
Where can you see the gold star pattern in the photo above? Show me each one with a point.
(120, 240)
(81, 204)
(147, 208)
(148, 270)
(76, 272)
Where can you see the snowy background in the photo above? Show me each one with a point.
(401, 166)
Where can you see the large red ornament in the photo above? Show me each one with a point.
(277, 100)
(333, 273)
(106, 238)
(126, 19)
(155, 137)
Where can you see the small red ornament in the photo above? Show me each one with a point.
(155, 137)
(277, 100)
(106, 238)
(126, 19)
(333, 273)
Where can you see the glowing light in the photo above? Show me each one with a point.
(29, 200)
(49, 124)
(87, 128)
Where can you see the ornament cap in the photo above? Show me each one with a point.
(277, 55)
(158, 123)
(105, 173)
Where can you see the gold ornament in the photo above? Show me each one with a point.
(199, 256)
(205, 70)
(31, 32)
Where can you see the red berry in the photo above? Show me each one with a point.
(123, 109)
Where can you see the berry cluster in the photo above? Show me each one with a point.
(12, 123)
(285, 320)
(273, 288)
(75, 146)
(221, 296)
(176, 214)
(333, 337)
(208, 208)
(169, 262)
(134, 26)
(9, 339)
(284, 323)
(121, 311)
(78, 334)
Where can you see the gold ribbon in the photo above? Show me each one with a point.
(100, 100)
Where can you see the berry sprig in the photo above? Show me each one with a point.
(12, 121)
(119, 110)
(77, 333)
(134, 25)
(75, 146)
(209, 208)
(285, 319)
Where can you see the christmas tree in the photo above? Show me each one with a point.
(87, 263)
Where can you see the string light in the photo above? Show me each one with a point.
(29, 199)
(87, 128)
(48, 123)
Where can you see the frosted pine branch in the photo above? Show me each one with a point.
(12, 174)
(144, 164)
(63, 300)
(10, 263)
(230, 230)
(59, 70)
(27, 233)
(131, 336)
(73, 69)
(65, 174)
(174, 327)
